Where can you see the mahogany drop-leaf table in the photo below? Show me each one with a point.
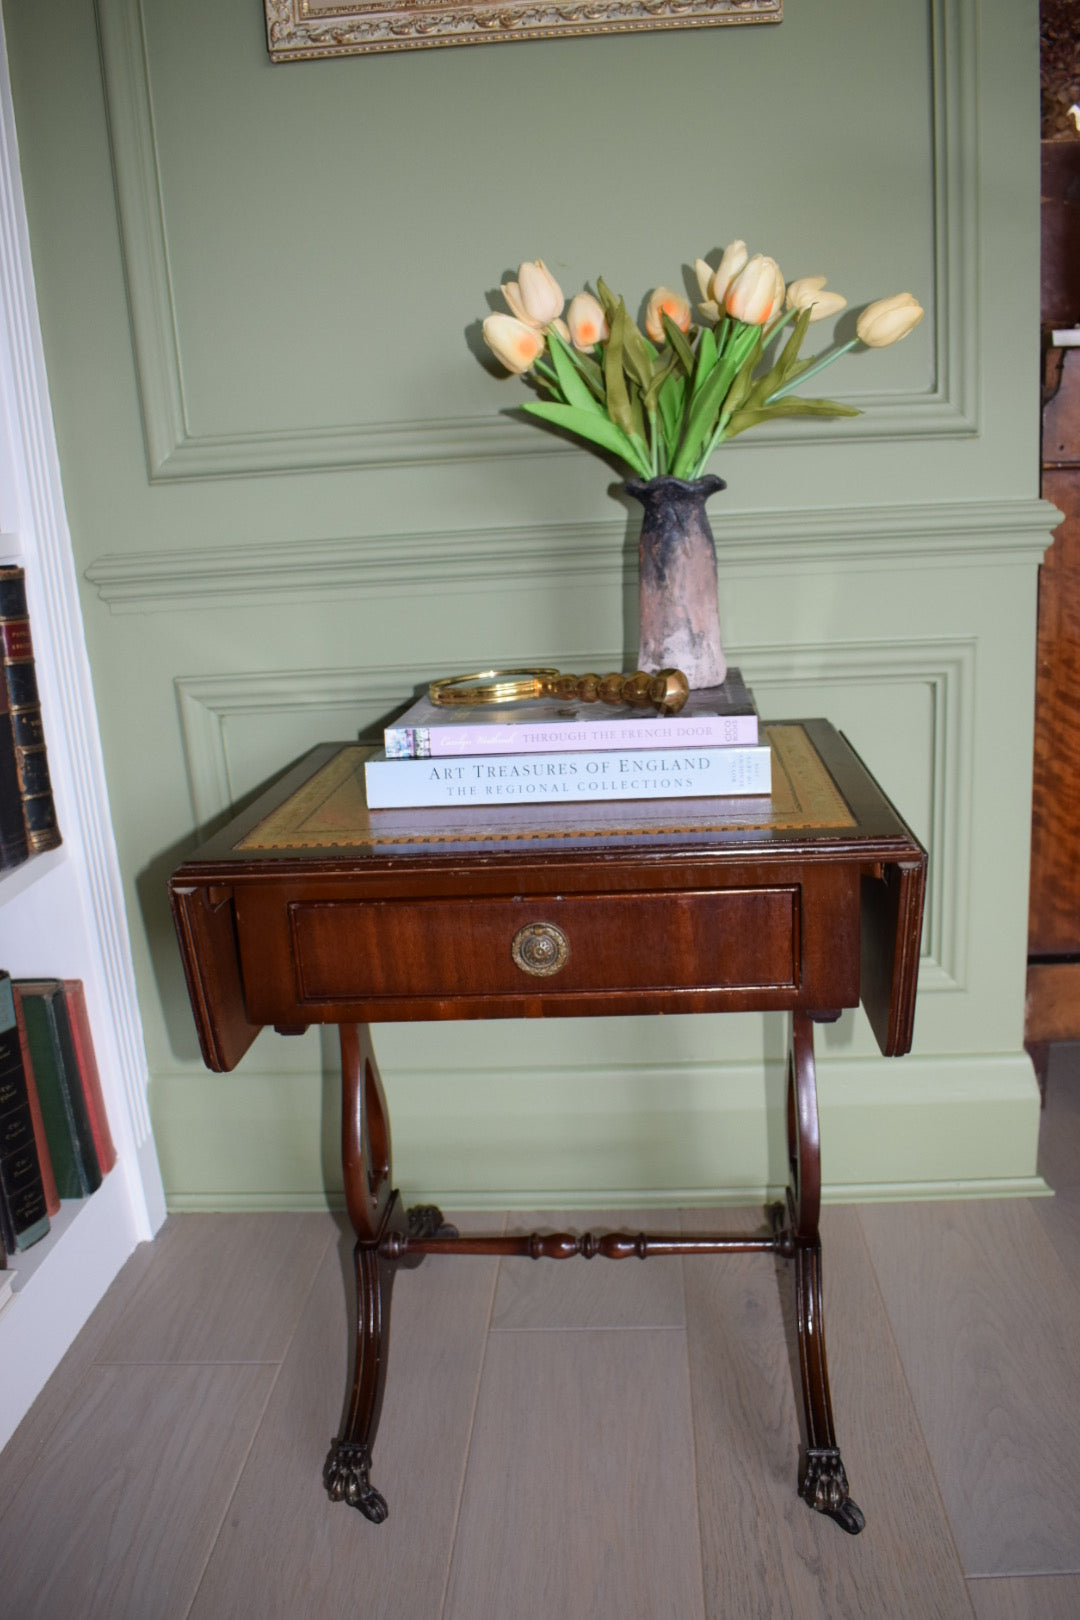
(311, 909)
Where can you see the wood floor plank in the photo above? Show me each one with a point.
(1026, 1597)
(580, 1293)
(32, 1435)
(222, 1288)
(765, 1553)
(579, 1495)
(119, 1515)
(987, 1322)
(285, 1551)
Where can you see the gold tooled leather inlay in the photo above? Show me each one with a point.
(330, 812)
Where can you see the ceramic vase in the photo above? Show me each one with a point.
(679, 607)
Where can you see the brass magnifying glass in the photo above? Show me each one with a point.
(666, 691)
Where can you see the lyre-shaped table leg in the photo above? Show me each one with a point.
(374, 1210)
(822, 1482)
(378, 1218)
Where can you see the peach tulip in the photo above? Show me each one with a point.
(665, 302)
(535, 297)
(808, 293)
(513, 342)
(889, 320)
(756, 293)
(585, 319)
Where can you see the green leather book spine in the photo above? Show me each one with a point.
(40, 1004)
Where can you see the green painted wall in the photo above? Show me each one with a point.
(295, 494)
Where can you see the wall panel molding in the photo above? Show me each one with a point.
(212, 705)
(894, 1132)
(931, 535)
(947, 408)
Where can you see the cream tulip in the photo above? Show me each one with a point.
(888, 320)
(585, 319)
(808, 293)
(513, 342)
(708, 309)
(756, 294)
(535, 297)
(732, 260)
(665, 302)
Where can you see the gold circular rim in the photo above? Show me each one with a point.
(489, 686)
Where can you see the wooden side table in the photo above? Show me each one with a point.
(310, 908)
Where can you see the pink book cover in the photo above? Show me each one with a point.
(83, 1041)
(719, 716)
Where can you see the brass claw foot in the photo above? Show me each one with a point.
(345, 1475)
(824, 1487)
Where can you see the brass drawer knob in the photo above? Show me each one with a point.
(540, 949)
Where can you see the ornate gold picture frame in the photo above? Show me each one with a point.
(297, 30)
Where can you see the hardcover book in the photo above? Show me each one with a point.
(41, 1140)
(720, 716)
(568, 778)
(14, 845)
(41, 1007)
(86, 1058)
(24, 1217)
(24, 705)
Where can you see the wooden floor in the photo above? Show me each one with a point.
(582, 1440)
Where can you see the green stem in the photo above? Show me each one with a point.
(654, 444)
(549, 375)
(718, 434)
(812, 371)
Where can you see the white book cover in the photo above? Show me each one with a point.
(720, 716)
(568, 778)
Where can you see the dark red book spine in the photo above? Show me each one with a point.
(89, 1074)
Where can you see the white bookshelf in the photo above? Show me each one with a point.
(61, 912)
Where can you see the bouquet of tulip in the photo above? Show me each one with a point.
(661, 401)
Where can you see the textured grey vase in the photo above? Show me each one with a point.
(679, 609)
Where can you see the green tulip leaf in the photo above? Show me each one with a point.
(677, 339)
(787, 365)
(741, 420)
(618, 395)
(596, 429)
(608, 301)
(585, 364)
(575, 389)
(709, 399)
(670, 403)
(639, 356)
(707, 356)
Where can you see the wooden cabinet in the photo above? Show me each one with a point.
(1053, 989)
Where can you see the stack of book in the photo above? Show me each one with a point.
(548, 750)
(55, 1140)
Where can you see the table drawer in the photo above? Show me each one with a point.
(563, 944)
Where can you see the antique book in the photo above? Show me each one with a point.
(14, 846)
(24, 706)
(567, 777)
(41, 1140)
(24, 1218)
(86, 1058)
(721, 716)
(41, 1006)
